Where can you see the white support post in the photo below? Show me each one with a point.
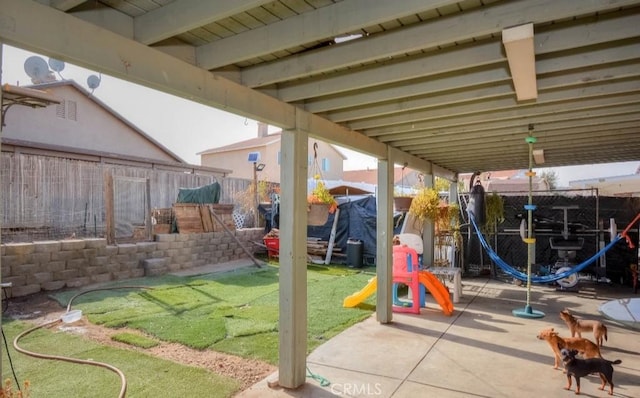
(428, 232)
(293, 259)
(384, 234)
(453, 198)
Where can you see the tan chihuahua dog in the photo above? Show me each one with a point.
(586, 347)
(576, 326)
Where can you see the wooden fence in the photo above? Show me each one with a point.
(45, 197)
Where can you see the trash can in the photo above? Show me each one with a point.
(354, 253)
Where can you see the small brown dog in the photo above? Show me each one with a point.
(586, 347)
(576, 326)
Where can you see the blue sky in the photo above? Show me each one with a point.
(168, 118)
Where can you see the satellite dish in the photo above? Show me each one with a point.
(37, 69)
(93, 82)
(56, 65)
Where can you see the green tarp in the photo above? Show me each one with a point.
(201, 195)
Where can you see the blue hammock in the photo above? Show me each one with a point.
(538, 279)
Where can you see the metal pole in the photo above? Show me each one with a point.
(255, 195)
(527, 311)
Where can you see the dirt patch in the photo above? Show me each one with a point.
(39, 308)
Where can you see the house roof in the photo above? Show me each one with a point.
(254, 143)
(626, 185)
(246, 144)
(370, 176)
(90, 96)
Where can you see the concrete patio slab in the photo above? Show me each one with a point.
(482, 350)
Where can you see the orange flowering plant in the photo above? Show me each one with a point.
(321, 195)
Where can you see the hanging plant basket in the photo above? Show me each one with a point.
(402, 203)
(318, 214)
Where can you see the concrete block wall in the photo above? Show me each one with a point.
(53, 265)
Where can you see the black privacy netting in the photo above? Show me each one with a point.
(588, 218)
(588, 222)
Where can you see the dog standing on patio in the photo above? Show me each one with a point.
(582, 367)
(586, 347)
(576, 326)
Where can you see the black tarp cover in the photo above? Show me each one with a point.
(357, 220)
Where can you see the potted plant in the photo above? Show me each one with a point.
(427, 205)
(321, 203)
(494, 210)
(402, 198)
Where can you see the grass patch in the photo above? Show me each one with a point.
(146, 376)
(135, 340)
(235, 313)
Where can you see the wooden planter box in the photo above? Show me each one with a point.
(196, 218)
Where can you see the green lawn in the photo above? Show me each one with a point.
(234, 312)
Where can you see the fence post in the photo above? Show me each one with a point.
(108, 208)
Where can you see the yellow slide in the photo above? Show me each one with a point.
(360, 296)
(437, 290)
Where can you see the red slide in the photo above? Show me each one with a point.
(437, 290)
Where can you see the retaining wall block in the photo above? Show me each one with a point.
(137, 273)
(18, 280)
(24, 269)
(9, 261)
(25, 290)
(54, 266)
(18, 249)
(39, 277)
(113, 268)
(154, 266)
(78, 282)
(184, 237)
(166, 237)
(95, 243)
(89, 253)
(177, 245)
(108, 251)
(120, 275)
(66, 255)
(72, 244)
(133, 264)
(146, 247)
(95, 270)
(127, 248)
(174, 267)
(123, 258)
(163, 245)
(53, 285)
(41, 258)
(78, 263)
(157, 254)
(66, 274)
(47, 246)
(98, 260)
(101, 278)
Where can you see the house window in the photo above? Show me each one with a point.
(310, 160)
(325, 164)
